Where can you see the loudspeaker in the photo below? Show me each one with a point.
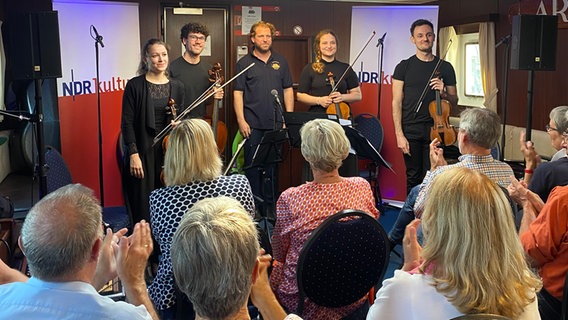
(34, 45)
(534, 42)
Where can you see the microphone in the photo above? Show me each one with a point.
(382, 39)
(98, 37)
(504, 40)
(274, 92)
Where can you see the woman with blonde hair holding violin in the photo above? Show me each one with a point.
(319, 78)
(192, 171)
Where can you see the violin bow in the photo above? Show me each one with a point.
(204, 96)
(419, 102)
(334, 88)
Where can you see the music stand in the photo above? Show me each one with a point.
(295, 120)
(269, 152)
(364, 148)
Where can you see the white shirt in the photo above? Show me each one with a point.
(411, 296)
(37, 299)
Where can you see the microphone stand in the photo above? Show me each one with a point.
(38, 119)
(98, 40)
(277, 108)
(507, 42)
(380, 45)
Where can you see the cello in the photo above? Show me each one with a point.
(440, 112)
(219, 128)
(341, 109)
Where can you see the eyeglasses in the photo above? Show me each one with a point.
(195, 38)
(549, 128)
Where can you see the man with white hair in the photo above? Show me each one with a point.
(68, 256)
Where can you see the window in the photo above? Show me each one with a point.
(472, 85)
(468, 70)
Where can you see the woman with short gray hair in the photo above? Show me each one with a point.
(302, 209)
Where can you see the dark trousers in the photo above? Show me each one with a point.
(405, 216)
(549, 307)
(418, 162)
(263, 178)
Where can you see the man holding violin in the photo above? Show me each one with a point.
(414, 85)
(190, 70)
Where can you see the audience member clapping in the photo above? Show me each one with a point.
(69, 256)
(543, 232)
(217, 262)
(472, 260)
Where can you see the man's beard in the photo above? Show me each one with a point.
(260, 50)
(425, 50)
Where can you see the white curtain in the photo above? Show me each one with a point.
(487, 62)
(450, 51)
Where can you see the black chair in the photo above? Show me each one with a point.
(480, 316)
(342, 260)
(371, 128)
(565, 299)
(58, 174)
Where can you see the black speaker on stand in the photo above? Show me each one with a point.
(35, 55)
(533, 48)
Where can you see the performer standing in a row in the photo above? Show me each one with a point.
(190, 70)
(255, 105)
(144, 114)
(315, 87)
(410, 78)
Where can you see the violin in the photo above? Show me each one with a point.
(219, 128)
(440, 112)
(170, 110)
(341, 109)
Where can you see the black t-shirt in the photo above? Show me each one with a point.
(549, 175)
(317, 84)
(415, 74)
(195, 78)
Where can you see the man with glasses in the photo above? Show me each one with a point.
(189, 68)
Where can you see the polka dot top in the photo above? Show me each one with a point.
(167, 207)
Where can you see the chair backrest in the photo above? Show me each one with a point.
(58, 174)
(479, 316)
(342, 260)
(371, 128)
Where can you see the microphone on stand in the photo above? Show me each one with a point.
(98, 37)
(381, 40)
(274, 93)
(504, 40)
